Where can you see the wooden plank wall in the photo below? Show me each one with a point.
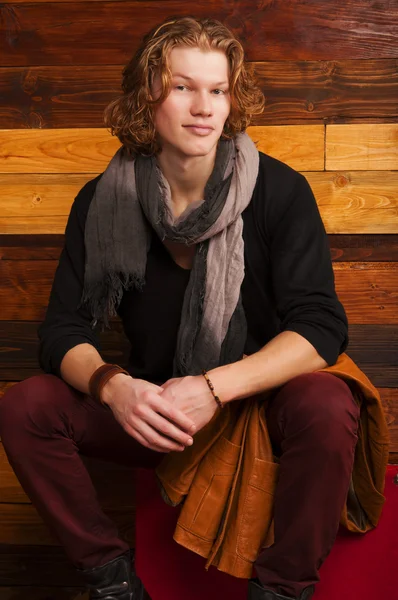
(329, 73)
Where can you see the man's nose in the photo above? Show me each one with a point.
(202, 104)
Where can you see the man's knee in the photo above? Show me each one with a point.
(27, 402)
(322, 405)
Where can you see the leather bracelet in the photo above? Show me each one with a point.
(100, 377)
(209, 383)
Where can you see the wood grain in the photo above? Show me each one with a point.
(20, 524)
(90, 150)
(295, 91)
(349, 201)
(56, 150)
(36, 566)
(344, 248)
(19, 348)
(368, 291)
(357, 201)
(114, 484)
(31, 247)
(362, 147)
(78, 33)
(361, 248)
(373, 347)
(41, 593)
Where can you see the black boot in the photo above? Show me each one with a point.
(116, 580)
(258, 592)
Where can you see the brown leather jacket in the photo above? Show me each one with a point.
(228, 477)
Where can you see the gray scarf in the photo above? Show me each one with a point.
(132, 199)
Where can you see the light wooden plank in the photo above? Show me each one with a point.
(357, 201)
(299, 146)
(349, 201)
(56, 150)
(89, 150)
(362, 147)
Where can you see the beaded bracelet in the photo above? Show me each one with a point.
(209, 383)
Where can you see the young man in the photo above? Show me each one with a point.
(207, 250)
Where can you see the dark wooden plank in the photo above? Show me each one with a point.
(36, 566)
(389, 398)
(295, 91)
(361, 247)
(19, 345)
(41, 593)
(344, 248)
(57, 97)
(373, 347)
(31, 247)
(21, 524)
(78, 32)
(368, 291)
(114, 483)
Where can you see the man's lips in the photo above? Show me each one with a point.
(199, 126)
(201, 129)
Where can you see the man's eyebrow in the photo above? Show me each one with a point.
(190, 79)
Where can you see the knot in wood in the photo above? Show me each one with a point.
(341, 181)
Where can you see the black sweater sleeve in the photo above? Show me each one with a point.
(66, 324)
(302, 274)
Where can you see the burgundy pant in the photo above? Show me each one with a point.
(312, 421)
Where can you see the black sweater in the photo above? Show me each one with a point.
(288, 284)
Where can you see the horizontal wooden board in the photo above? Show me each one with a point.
(369, 291)
(41, 593)
(373, 347)
(75, 96)
(31, 247)
(64, 33)
(349, 201)
(20, 524)
(36, 566)
(362, 147)
(375, 350)
(344, 248)
(56, 151)
(114, 483)
(360, 248)
(357, 201)
(19, 348)
(90, 150)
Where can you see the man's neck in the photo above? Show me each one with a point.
(186, 176)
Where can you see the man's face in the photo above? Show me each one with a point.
(190, 120)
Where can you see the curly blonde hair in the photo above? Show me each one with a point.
(130, 117)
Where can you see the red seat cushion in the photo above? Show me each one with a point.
(359, 567)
